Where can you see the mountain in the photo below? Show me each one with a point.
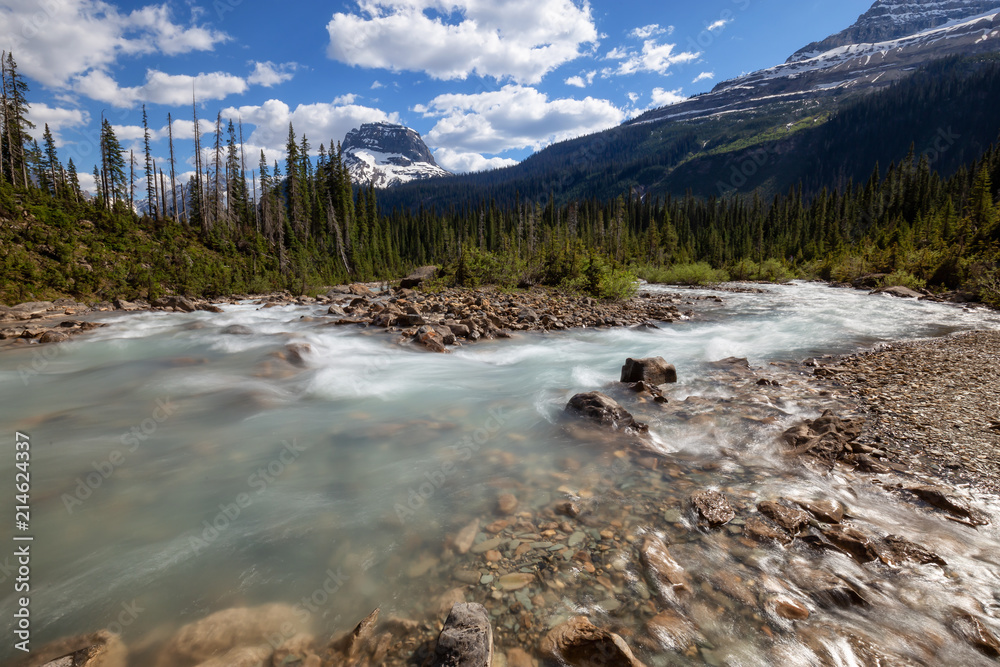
(822, 119)
(817, 72)
(387, 155)
(892, 19)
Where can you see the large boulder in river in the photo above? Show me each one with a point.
(606, 411)
(418, 277)
(900, 291)
(652, 370)
(466, 640)
(176, 302)
(579, 643)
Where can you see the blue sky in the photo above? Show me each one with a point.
(485, 83)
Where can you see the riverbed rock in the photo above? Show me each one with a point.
(606, 411)
(713, 507)
(355, 643)
(466, 536)
(976, 633)
(662, 570)
(53, 337)
(652, 370)
(177, 302)
(418, 277)
(98, 649)
(759, 529)
(894, 549)
(852, 542)
(898, 291)
(828, 511)
(506, 503)
(236, 330)
(825, 588)
(227, 629)
(431, 341)
(673, 631)
(940, 499)
(466, 640)
(825, 438)
(579, 643)
(791, 519)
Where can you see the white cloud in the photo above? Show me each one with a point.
(652, 30)
(520, 40)
(718, 25)
(322, 123)
(654, 57)
(377, 84)
(268, 74)
(513, 117)
(634, 97)
(342, 100)
(57, 120)
(704, 76)
(463, 163)
(160, 88)
(583, 80)
(662, 98)
(58, 40)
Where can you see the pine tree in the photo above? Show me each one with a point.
(16, 123)
(51, 157)
(151, 198)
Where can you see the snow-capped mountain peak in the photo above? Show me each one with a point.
(385, 155)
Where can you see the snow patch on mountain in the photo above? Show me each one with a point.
(386, 155)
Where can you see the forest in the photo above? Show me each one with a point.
(301, 225)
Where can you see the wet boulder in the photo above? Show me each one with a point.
(762, 530)
(53, 337)
(236, 330)
(418, 277)
(825, 438)
(898, 291)
(713, 507)
(466, 640)
(894, 550)
(652, 370)
(604, 410)
(852, 542)
(176, 302)
(579, 643)
(976, 633)
(827, 511)
(791, 519)
(672, 631)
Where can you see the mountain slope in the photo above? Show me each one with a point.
(387, 155)
(892, 19)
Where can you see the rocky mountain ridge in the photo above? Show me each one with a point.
(386, 155)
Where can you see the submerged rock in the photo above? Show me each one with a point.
(225, 630)
(652, 370)
(828, 511)
(973, 631)
(466, 640)
(662, 570)
(825, 438)
(938, 497)
(579, 643)
(99, 649)
(791, 519)
(673, 631)
(356, 642)
(713, 507)
(606, 411)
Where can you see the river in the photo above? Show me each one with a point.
(177, 471)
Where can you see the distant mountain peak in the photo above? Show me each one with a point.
(385, 155)
(891, 19)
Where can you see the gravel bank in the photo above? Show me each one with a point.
(932, 405)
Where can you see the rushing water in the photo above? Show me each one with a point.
(178, 470)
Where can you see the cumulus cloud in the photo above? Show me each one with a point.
(463, 163)
(662, 98)
(323, 123)
(652, 30)
(57, 119)
(704, 76)
(521, 40)
(513, 117)
(58, 40)
(268, 74)
(583, 80)
(654, 57)
(160, 88)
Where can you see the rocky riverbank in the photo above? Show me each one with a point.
(436, 321)
(931, 406)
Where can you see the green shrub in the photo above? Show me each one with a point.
(903, 279)
(698, 273)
